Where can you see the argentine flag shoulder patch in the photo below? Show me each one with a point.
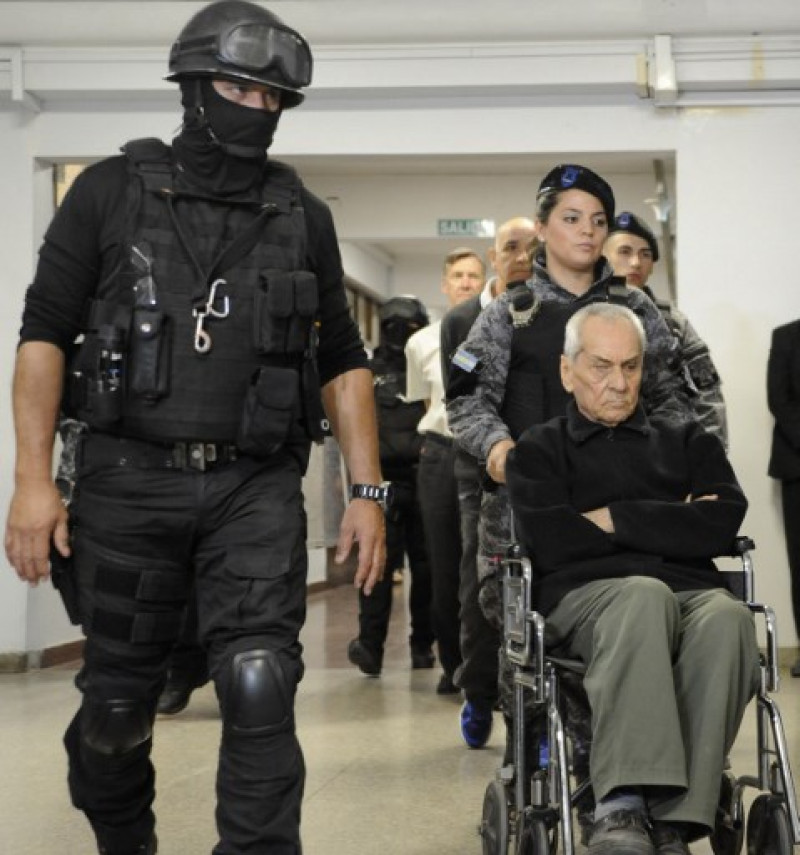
(465, 360)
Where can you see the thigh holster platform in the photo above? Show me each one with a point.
(130, 599)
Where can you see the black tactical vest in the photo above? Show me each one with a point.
(211, 315)
(399, 442)
(534, 393)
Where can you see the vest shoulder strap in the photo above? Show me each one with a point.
(281, 186)
(617, 291)
(151, 159)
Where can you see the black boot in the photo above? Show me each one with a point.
(174, 698)
(145, 849)
(178, 690)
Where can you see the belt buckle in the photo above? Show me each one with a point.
(196, 455)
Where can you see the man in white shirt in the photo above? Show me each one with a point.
(463, 277)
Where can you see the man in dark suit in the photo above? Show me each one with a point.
(783, 397)
(510, 258)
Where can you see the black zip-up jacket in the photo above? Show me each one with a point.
(643, 471)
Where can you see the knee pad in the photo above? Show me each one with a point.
(258, 697)
(114, 728)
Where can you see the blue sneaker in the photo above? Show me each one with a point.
(476, 724)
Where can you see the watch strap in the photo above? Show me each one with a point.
(375, 492)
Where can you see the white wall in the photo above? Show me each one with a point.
(16, 249)
(737, 182)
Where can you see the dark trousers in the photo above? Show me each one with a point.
(141, 537)
(188, 664)
(790, 491)
(480, 641)
(404, 536)
(439, 501)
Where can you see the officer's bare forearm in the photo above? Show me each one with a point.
(350, 407)
(38, 384)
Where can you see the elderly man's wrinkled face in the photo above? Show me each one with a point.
(606, 374)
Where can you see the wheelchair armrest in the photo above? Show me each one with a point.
(741, 545)
(741, 583)
(770, 672)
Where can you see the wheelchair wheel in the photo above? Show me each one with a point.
(535, 839)
(728, 835)
(768, 828)
(494, 829)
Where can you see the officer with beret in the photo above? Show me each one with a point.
(632, 250)
(192, 296)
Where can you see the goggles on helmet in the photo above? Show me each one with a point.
(257, 47)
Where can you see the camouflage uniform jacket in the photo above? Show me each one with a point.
(700, 374)
(474, 417)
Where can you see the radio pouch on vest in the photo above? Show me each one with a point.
(285, 306)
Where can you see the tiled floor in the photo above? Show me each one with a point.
(387, 772)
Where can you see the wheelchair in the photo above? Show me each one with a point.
(530, 806)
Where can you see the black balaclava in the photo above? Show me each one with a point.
(222, 146)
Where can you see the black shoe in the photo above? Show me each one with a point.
(422, 657)
(668, 840)
(476, 723)
(145, 849)
(174, 698)
(446, 686)
(622, 832)
(359, 654)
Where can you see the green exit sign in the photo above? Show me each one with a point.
(466, 228)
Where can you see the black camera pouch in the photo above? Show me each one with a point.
(271, 410)
(149, 354)
(97, 381)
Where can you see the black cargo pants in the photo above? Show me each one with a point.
(405, 535)
(142, 531)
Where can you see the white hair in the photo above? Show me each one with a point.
(573, 335)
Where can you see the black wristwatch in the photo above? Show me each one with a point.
(380, 493)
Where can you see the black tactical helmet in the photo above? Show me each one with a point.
(400, 318)
(238, 40)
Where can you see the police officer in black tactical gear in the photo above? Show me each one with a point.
(400, 444)
(632, 250)
(192, 296)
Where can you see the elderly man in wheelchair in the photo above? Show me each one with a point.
(621, 517)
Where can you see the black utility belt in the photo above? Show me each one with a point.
(101, 449)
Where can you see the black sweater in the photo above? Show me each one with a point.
(642, 471)
(82, 245)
